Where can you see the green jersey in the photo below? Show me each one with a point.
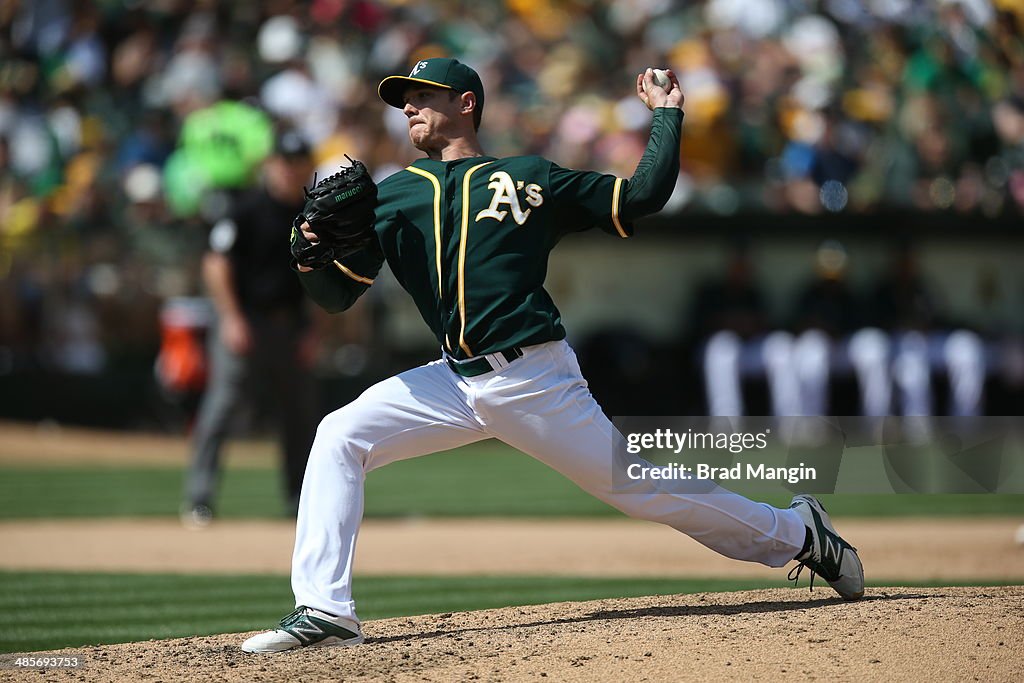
(469, 239)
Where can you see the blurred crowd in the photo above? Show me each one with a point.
(120, 120)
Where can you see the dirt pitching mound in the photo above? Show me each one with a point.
(894, 633)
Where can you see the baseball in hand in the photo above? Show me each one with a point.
(661, 79)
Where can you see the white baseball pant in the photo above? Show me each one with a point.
(539, 404)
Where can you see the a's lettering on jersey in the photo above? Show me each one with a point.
(533, 197)
(506, 193)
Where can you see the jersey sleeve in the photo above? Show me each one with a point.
(227, 237)
(223, 237)
(652, 183)
(586, 199)
(335, 288)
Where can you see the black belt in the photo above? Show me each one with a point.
(474, 367)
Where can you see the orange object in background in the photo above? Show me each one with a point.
(181, 364)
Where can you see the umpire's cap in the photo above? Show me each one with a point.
(291, 145)
(441, 72)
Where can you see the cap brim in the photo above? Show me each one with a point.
(392, 89)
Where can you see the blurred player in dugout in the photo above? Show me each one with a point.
(263, 343)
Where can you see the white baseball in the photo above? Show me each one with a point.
(661, 79)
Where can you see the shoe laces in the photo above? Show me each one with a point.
(794, 574)
(292, 617)
(810, 561)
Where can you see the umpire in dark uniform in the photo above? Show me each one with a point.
(263, 343)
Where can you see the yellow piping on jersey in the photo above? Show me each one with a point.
(354, 276)
(437, 222)
(462, 256)
(615, 208)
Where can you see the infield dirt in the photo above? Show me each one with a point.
(911, 634)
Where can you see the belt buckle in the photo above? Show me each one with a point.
(462, 367)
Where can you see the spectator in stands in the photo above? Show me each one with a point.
(791, 106)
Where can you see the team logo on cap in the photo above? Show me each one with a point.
(420, 66)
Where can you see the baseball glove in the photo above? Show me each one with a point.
(339, 209)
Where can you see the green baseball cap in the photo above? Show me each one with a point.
(441, 72)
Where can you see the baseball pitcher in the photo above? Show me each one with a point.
(468, 236)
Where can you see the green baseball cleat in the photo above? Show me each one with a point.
(306, 627)
(827, 554)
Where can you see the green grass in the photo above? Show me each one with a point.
(50, 610)
(486, 479)
(483, 479)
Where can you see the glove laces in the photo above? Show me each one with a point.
(345, 170)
